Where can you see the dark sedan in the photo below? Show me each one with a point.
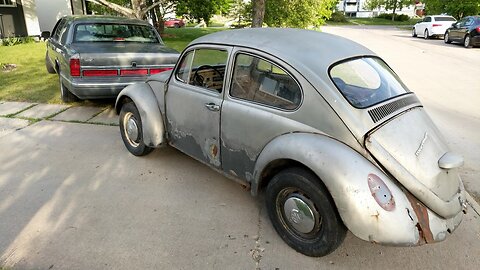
(465, 31)
(97, 56)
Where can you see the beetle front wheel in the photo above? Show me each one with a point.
(131, 130)
(303, 213)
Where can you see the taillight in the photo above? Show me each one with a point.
(100, 72)
(74, 67)
(130, 72)
(158, 70)
(478, 29)
(380, 192)
(436, 24)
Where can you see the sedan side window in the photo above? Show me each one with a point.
(204, 68)
(428, 19)
(261, 81)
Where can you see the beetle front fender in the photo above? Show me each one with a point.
(345, 174)
(152, 120)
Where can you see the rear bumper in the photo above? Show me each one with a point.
(96, 88)
(475, 41)
(438, 31)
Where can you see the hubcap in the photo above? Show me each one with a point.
(131, 129)
(299, 215)
(467, 41)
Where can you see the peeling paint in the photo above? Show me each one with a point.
(423, 224)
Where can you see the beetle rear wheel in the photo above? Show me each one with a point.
(131, 130)
(303, 213)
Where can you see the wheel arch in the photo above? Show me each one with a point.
(344, 172)
(145, 100)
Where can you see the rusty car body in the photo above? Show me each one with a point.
(97, 56)
(324, 126)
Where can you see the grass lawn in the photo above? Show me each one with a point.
(374, 21)
(31, 82)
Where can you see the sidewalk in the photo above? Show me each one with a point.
(18, 115)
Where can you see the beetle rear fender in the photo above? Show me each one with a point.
(346, 174)
(146, 102)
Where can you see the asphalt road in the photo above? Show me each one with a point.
(71, 196)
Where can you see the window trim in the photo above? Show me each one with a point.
(408, 91)
(232, 69)
(194, 49)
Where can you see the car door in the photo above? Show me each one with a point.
(194, 100)
(426, 25)
(53, 45)
(456, 31)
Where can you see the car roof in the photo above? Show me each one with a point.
(302, 49)
(104, 19)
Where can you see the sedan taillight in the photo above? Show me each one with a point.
(478, 29)
(100, 72)
(74, 67)
(436, 24)
(158, 70)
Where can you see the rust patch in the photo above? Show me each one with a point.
(214, 150)
(423, 224)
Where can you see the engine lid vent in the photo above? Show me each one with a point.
(382, 111)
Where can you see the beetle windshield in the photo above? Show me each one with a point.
(101, 32)
(366, 81)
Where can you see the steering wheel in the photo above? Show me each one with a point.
(198, 79)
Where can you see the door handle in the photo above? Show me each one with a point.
(212, 107)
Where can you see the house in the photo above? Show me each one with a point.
(357, 8)
(31, 17)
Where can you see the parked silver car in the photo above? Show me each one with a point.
(323, 125)
(97, 56)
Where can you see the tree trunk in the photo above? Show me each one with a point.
(258, 13)
(394, 9)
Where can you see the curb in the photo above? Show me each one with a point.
(471, 201)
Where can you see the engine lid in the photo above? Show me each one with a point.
(411, 148)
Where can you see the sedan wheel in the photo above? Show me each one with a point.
(425, 34)
(131, 130)
(446, 38)
(466, 42)
(65, 94)
(303, 213)
(414, 33)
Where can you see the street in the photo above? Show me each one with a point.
(72, 197)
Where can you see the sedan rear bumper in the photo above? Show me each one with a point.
(96, 88)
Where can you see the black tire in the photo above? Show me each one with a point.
(65, 94)
(48, 65)
(323, 231)
(467, 41)
(133, 141)
(446, 38)
(414, 33)
(176, 25)
(425, 34)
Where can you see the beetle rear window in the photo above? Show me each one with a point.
(100, 32)
(366, 81)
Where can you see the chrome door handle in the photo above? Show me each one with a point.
(212, 107)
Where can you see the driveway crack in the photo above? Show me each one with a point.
(257, 252)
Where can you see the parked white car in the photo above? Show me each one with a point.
(433, 26)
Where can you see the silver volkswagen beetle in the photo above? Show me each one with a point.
(320, 123)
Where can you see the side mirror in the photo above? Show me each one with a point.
(45, 34)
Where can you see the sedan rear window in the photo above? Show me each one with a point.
(445, 19)
(366, 81)
(99, 32)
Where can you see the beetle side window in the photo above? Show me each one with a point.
(204, 68)
(261, 81)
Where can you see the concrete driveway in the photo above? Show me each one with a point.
(71, 196)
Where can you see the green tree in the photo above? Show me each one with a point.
(372, 4)
(202, 9)
(241, 11)
(456, 8)
(395, 5)
(298, 13)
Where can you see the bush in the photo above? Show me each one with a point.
(11, 41)
(338, 16)
(398, 17)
